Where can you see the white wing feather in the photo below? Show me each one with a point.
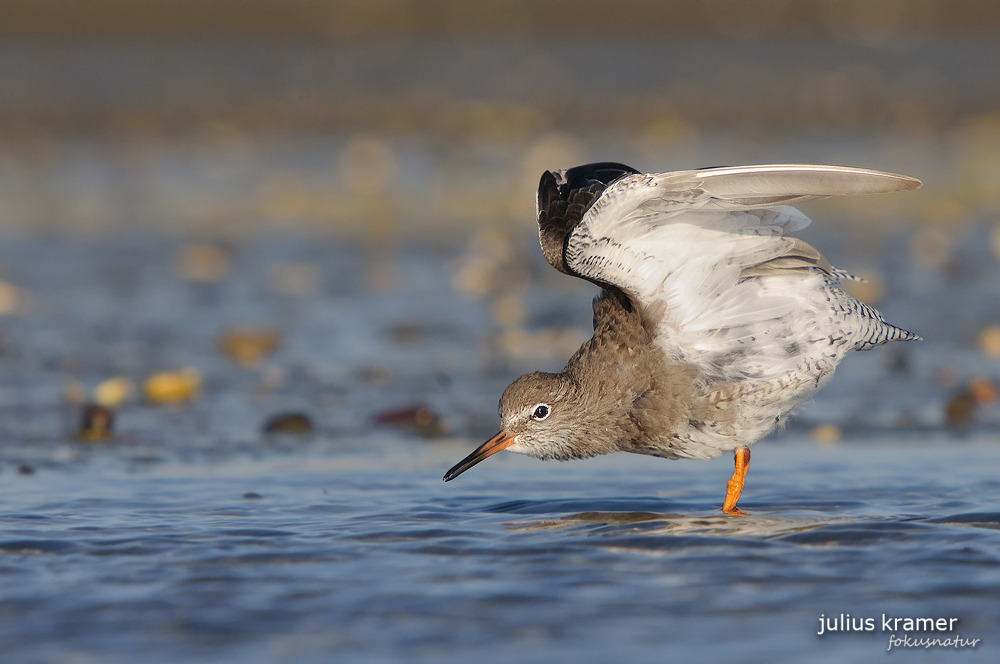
(679, 242)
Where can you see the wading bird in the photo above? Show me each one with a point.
(713, 321)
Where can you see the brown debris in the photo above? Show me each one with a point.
(113, 392)
(173, 386)
(423, 421)
(989, 341)
(826, 434)
(294, 423)
(248, 346)
(960, 411)
(203, 263)
(11, 299)
(96, 422)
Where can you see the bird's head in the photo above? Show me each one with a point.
(538, 418)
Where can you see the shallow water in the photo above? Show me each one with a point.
(191, 536)
(364, 553)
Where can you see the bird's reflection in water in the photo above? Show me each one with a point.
(650, 523)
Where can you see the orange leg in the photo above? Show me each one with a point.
(735, 486)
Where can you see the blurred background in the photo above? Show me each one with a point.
(228, 116)
(276, 260)
(379, 123)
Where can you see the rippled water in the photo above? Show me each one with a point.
(193, 537)
(365, 554)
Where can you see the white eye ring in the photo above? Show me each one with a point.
(540, 412)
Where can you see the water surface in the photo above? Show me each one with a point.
(192, 536)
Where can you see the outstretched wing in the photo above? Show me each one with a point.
(709, 251)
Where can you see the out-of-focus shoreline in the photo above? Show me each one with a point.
(296, 19)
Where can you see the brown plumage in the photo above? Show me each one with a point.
(621, 394)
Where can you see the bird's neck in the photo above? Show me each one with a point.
(612, 370)
(626, 383)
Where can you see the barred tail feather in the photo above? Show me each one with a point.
(875, 331)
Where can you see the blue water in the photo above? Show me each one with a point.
(363, 554)
(191, 536)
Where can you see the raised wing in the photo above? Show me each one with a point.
(564, 197)
(709, 250)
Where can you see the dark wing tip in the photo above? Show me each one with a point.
(564, 197)
(604, 172)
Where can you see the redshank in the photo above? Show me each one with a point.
(713, 321)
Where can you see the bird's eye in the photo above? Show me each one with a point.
(540, 412)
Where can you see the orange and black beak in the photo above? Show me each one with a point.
(501, 441)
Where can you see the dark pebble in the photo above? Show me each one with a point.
(960, 410)
(296, 423)
(96, 422)
(420, 419)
